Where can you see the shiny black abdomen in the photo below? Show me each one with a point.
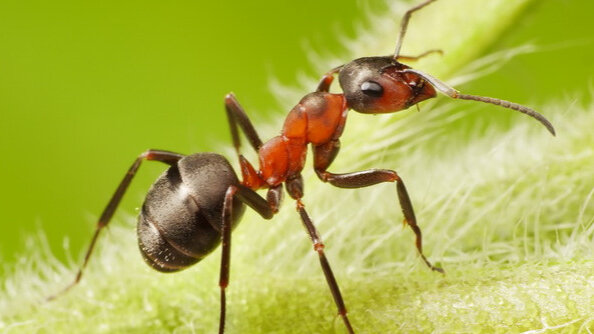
(181, 217)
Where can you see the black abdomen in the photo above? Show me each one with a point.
(181, 216)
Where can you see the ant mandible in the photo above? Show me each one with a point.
(194, 205)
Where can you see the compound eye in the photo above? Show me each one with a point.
(372, 88)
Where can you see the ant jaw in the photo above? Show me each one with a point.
(420, 88)
(427, 92)
(412, 89)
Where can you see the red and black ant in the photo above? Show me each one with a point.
(194, 205)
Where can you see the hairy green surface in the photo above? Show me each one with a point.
(508, 214)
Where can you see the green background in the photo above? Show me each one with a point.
(87, 86)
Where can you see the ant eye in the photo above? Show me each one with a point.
(372, 88)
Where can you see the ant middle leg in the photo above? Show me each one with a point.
(295, 190)
(167, 157)
(323, 157)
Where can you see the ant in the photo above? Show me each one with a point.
(194, 205)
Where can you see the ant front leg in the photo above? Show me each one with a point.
(167, 157)
(324, 155)
(264, 207)
(295, 190)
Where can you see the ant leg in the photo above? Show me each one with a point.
(236, 115)
(295, 189)
(374, 176)
(326, 81)
(319, 248)
(226, 253)
(167, 157)
(274, 197)
(265, 207)
(323, 157)
(404, 25)
(260, 205)
(249, 175)
(417, 57)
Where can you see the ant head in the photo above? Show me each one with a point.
(376, 85)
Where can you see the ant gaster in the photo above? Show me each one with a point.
(194, 205)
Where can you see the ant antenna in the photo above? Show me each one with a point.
(404, 25)
(453, 93)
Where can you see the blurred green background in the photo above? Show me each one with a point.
(86, 86)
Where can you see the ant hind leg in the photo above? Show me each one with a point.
(260, 205)
(167, 157)
(236, 116)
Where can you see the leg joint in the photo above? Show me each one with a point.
(323, 175)
(318, 246)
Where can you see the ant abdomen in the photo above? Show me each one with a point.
(181, 217)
